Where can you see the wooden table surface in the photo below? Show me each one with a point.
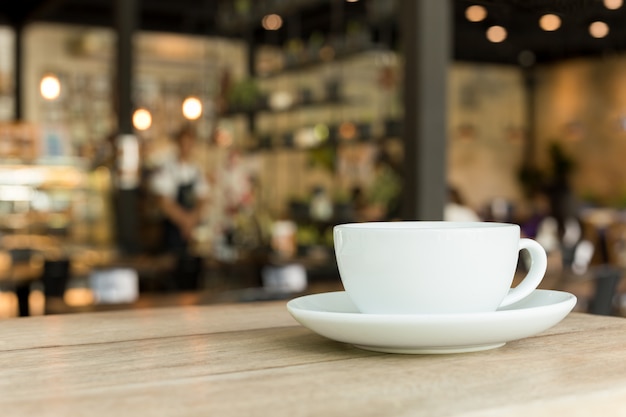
(253, 359)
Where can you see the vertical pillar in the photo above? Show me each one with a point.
(252, 55)
(18, 69)
(126, 198)
(426, 37)
(126, 17)
(530, 140)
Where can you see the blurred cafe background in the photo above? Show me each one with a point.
(161, 152)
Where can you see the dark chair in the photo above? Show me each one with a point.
(594, 262)
(22, 259)
(55, 276)
(605, 286)
(188, 272)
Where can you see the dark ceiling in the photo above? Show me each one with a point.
(302, 17)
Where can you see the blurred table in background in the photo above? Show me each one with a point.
(49, 277)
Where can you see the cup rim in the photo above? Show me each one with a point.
(426, 225)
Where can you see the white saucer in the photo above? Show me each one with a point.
(333, 315)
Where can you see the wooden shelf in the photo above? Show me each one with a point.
(313, 63)
(294, 108)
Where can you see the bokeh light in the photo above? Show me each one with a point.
(598, 29)
(192, 108)
(50, 87)
(550, 22)
(475, 13)
(272, 22)
(496, 34)
(613, 4)
(142, 119)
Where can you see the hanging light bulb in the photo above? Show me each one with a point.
(475, 13)
(598, 29)
(192, 108)
(496, 34)
(272, 22)
(613, 4)
(550, 22)
(142, 119)
(50, 87)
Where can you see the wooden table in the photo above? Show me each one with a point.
(253, 359)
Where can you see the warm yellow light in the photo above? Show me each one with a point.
(50, 87)
(613, 4)
(142, 119)
(36, 303)
(79, 297)
(272, 22)
(475, 13)
(496, 34)
(550, 22)
(192, 108)
(598, 29)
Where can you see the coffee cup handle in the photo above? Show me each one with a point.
(538, 266)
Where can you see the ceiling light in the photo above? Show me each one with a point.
(496, 34)
(50, 87)
(475, 13)
(598, 29)
(550, 22)
(613, 4)
(272, 22)
(192, 108)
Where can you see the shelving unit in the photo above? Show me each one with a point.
(325, 93)
(317, 123)
(42, 207)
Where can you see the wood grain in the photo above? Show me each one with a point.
(254, 359)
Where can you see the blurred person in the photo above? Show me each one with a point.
(236, 199)
(457, 210)
(182, 192)
(539, 211)
(236, 181)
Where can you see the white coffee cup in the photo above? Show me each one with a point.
(434, 267)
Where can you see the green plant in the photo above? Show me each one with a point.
(323, 156)
(245, 94)
(307, 235)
